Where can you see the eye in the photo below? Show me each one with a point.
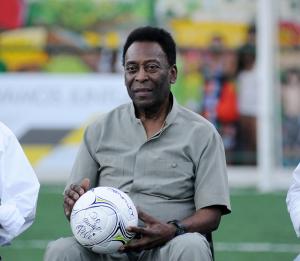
(152, 68)
(131, 68)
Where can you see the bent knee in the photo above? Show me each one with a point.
(62, 249)
(190, 241)
(189, 246)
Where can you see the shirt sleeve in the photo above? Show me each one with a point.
(211, 183)
(19, 191)
(85, 165)
(293, 200)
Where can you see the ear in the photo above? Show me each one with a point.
(173, 74)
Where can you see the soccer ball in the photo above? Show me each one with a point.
(99, 219)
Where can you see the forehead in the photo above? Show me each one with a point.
(144, 51)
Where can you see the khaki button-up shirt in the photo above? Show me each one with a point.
(177, 171)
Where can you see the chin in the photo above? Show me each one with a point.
(143, 104)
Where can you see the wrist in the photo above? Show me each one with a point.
(180, 229)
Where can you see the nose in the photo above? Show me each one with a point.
(141, 75)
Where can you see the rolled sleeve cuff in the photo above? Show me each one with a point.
(11, 219)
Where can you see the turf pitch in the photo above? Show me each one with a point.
(259, 228)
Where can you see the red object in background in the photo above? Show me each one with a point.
(12, 14)
(227, 108)
(290, 34)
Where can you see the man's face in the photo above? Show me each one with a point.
(148, 75)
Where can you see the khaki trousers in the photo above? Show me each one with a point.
(187, 247)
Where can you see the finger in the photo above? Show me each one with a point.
(139, 245)
(146, 218)
(67, 210)
(71, 194)
(77, 188)
(140, 230)
(74, 195)
(69, 201)
(134, 245)
(85, 184)
(137, 230)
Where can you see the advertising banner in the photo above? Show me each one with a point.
(60, 101)
(48, 114)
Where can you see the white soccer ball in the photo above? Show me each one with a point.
(99, 219)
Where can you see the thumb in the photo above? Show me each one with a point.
(85, 184)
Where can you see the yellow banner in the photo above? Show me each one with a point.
(23, 48)
(201, 34)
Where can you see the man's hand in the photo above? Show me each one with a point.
(154, 234)
(72, 194)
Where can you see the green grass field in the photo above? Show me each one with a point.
(259, 228)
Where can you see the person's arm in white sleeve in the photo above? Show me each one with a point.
(293, 200)
(19, 188)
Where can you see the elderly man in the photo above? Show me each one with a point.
(168, 159)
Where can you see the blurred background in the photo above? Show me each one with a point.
(239, 67)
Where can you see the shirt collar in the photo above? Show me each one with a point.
(171, 117)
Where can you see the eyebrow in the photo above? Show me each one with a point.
(147, 61)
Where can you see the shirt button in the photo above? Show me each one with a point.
(174, 165)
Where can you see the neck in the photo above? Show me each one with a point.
(154, 113)
(153, 120)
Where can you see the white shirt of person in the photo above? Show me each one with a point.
(19, 188)
(293, 200)
(247, 92)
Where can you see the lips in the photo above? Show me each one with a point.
(142, 91)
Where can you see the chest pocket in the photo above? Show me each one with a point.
(170, 179)
(111, 171)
